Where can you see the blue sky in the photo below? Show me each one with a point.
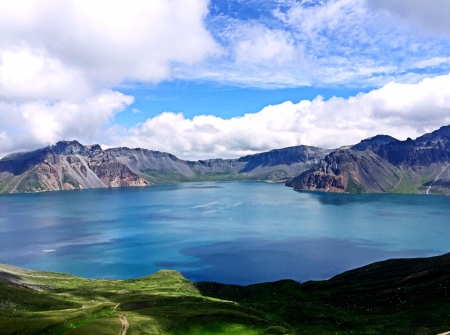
(221, 78)
(225, 101)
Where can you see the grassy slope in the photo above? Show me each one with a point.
(392, 297)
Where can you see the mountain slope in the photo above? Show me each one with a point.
(400, 296)
(384, 164)
(69, 165)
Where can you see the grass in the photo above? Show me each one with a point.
(69, 180)
(354, 187)
(392, 297)
(30, 183)
(406, 185)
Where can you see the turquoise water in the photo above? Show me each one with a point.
(231, 232)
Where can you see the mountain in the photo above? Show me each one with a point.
(374, 142)
(398, 296)
(69, 165)
(384, 164)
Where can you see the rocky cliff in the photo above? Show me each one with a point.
(384, 164)
(64, 166)
(70, 165)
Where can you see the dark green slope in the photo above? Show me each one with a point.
(404, 296)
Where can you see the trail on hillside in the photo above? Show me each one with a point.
(125, 325)
(435, 180)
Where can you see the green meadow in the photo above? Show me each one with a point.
(405, 296)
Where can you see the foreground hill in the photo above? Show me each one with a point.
(71, 165)
(403, 296)
(384, 164)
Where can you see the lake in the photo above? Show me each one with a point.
(230, 232)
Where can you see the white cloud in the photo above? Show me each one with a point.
(257, 44)
(432, 16)
(59, 60)
(318, 43)
(29, 125)
(31, 74)
(432, 62)
(102, 43)
(400, 110)
(69, 50)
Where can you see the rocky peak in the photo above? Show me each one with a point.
(442, 133)
(374, 142)
(68, 148)
(94, 149)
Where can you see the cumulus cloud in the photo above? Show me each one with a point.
(67, 47)
(400, 110)
(59, 60)
(32, 74)
(34, 124)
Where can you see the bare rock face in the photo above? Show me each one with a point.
(66, 165)
(320, 181)
(69, 165)
(348, 170)
(384, 164)
(377, 164)
(115, 174)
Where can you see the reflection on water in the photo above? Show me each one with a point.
(233, 232)
(249, 261)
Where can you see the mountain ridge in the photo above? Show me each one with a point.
(384, 164)
(69, 165)
(378, 164)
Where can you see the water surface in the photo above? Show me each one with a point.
(231, 232)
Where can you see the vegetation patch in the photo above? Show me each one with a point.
(30, 183)
(406, 185)
(354, 187)
(392, 297)
(69, 180)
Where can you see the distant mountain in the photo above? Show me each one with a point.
(384, 164)
(70, 165)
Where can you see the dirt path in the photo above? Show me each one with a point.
(398, 183)
(429, 188)
(125, 325)
(447, 333)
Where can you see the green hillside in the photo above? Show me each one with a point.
(409, 296)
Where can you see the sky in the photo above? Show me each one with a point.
(221, 78)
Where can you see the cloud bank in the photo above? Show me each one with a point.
(67, 49)
(396, 109)
(62, 66)
(400, 110)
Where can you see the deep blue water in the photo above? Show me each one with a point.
(231, 232)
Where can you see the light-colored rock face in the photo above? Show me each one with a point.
(69, 165)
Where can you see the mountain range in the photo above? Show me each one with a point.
(69, 165)
(375, 165)
(384, 164)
